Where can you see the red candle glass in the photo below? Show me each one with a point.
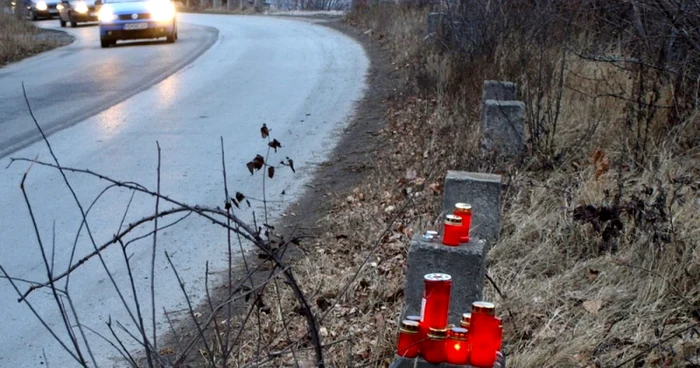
(433, 348)
(483, 335)
(436, 302)
(452, 231)
(409, 339)
(456, 348)
(464, 211)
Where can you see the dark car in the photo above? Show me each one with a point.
(76, 11)
(41, 8)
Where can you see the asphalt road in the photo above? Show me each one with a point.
(106, 109)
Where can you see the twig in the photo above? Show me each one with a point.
(153, 263)
(217, 331)
(124, 353)
(36, 314)
(647, 350)
(227, 200)
(66, 324)
(189, 306)
(139, 315)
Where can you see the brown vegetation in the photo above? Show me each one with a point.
(597, 259)
(20, 39)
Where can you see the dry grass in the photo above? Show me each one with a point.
(20, 39)
(572, 296)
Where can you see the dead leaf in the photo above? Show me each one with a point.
(167, 351)
(258, 162)
(290, 162)
(592, 274)
(240, 197)
(251, 167)
(593, 306)
(271, 171)
(264, 131)
(435, 187)
(275, 144)
(601, 163)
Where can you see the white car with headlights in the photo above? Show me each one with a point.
(76, 11)
(136, 19)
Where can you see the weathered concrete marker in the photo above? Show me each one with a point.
(483, 192)
(400, 362)
(499, 90)
(465, 263)
(503, 124)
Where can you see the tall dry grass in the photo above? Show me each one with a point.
(20, 39)
(598, 256)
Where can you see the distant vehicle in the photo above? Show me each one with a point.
(41, 8)
(76, 11)
(136, 19)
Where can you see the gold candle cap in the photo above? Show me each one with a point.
(484, 307)
(409, 326)
(466, 319)
(437, 333)
(463, 207)
(458, 333)
(453, 220)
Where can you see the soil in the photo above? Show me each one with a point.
(339, 174)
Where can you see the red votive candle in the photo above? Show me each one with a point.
(456, 348)
(409, 339)
(433, 348)
(483, 336)
(464, 211)
(452, 231)
(436, 302)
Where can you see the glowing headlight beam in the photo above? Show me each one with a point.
(41, 6)
(106, 14)
(81, 7)
(161, 10)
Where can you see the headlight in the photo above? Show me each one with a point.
(81, 7)
(106, 14)
(41, 6)
(59, 6)
(161, 10)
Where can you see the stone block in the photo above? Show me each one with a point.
(499, 90)
(465, 263)
(483, 192)
(503, 126)
(401, 362)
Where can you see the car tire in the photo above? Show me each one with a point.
(32, 15)
(172, 37)
(61, 21)
(73, 23)
(106, 43)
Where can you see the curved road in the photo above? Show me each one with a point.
(225, 77)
